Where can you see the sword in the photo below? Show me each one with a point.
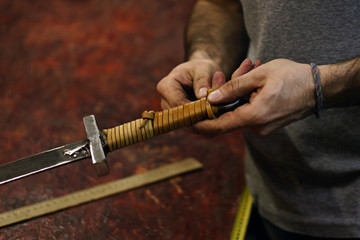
(99, 143)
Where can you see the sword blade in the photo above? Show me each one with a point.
(43, 161)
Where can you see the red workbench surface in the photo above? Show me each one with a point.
(63, 60)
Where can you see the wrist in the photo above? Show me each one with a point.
(329, 86)
(216, 62)
(199, 55)
(340, 83)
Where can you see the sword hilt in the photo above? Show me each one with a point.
(149, 125)
(155, 123)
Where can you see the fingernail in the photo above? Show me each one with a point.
(214, 95)
(202, 92)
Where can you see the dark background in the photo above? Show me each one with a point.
(63, 60)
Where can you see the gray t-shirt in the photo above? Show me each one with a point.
(305, 178)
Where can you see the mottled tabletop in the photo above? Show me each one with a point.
(63, 60)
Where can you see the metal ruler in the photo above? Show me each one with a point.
(97, 192)
(242, 216)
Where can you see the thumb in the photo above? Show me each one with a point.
(232, 90)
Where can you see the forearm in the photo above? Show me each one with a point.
(216, 31)
(341, 83)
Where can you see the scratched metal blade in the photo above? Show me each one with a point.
(43, 161)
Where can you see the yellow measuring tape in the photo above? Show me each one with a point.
(242, 216)
(97, 192)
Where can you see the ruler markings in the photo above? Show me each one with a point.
(242, 216)
(97, 192)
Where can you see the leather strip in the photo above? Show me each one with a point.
(155, 123)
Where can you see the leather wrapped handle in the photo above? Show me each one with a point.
(155, 123)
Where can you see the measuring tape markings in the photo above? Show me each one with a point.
(242, 216)
(97, 192)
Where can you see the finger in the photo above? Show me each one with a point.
(164, 104)
(202, 78)
(172, 91)
(245, 67)
(257, 63)
(235, 88)
(218, 80)
(223, 124)
(207, 128)
(245, 116)
(202, 83)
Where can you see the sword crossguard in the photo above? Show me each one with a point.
(96, 148)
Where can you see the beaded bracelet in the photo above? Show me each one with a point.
(318, 91)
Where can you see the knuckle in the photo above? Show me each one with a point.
(161, 86)
(233, 87)
(229, 86)
(201, 80)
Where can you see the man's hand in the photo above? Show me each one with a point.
(281, 92)
(189, 80)
(195, 78)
